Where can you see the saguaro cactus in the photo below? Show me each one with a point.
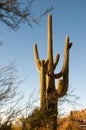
(49, 94)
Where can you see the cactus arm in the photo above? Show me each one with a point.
(66, 55)
(41, 66)
(62, 85)
(43, 85)
(66, 58)
(56, 61)
(59, 87)
(36, 51)
(36, 57)
(65, 82)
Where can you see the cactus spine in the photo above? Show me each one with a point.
(49, 94)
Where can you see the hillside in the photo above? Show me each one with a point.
(75, 121)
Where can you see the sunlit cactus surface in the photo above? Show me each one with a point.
(49, 93)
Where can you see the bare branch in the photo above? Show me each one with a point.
(15, 12)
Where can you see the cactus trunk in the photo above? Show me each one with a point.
(50, 49)
(49, 94)
(51, 101)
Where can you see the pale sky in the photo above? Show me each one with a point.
(69, 18)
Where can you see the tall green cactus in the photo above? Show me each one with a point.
(49, 94)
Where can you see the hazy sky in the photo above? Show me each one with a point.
(69, 18)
